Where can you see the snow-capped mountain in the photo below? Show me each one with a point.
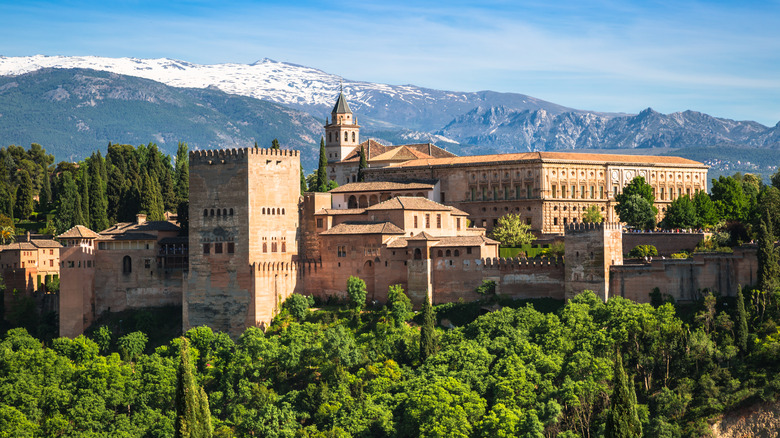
(378, 106)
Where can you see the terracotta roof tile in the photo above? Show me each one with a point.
(423, 236)
(380, 185)
(331, 211)
(552, 157)
(125, 227)
(77, 232)
(364, 228)
(127, 236)
(466, 241)
(375, 149)
(17, 246)
(410, 203)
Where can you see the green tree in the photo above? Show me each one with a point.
(83, 182)
(304, 186)
(151, 198)
(45, 195)
(275, 144)
(706, 213)
(729, 198)
(512, 231)
(7, 234)
(741, 328)
(642, 251)
(132, 345)
(182, 183)
(98, 204)
(361, 176)
(102, 338)
(69, 209)
(398, 304)
(23, 207)
(637, 186)
(637, 212)
(193, 419)
(768, 268)
(622, 417)
(357, 293)
(322, 168)
(592, 215)
(427, 332)
(681, 213)
(297, 305)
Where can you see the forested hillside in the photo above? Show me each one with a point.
(513, 372)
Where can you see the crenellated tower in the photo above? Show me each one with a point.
(342, 134)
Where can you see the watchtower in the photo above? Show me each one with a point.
(590, 250)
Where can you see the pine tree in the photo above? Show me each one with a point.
(84, 192)
(622, 417)
(23, 206)
(322, 169)
(275, 144)
(427, 340)
(193, 419)
(182, 173)
(741, 327)
(361, 176)
(98, 204)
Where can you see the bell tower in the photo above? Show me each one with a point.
(342, 134)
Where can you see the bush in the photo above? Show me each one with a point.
(488, 287)
(642, 251)
(679, 255)
(298, 306)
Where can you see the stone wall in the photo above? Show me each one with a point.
(665, 243)
(685, 279)
(590, 250)
(77, 289)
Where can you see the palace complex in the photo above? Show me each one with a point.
(421, 218)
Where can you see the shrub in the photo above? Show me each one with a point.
(298, 306)
(488, 287)
(679, 255)
(642, 251)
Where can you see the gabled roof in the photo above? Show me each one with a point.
(17, 246)
(375, 149)
(552, 157)
(125, 227)
(466, 241)
(364, 228)
(380, 186)
(414, 203)
(127, 236)
(341, 107)
(329, 211)
(79, 232)
(401, 153)
(423, 236)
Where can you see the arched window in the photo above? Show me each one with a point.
(346, 136)
(219, 212)
(127, 265)
(352, 202)
(329, 138)
(353, 137)
(205, 212)
(265, 247)
(417, 254)
(282, 211)
(224, 212)
(263, 210)
(448, 253)
(231, 212)
(439, 254)
(284, 246)
(457, 253)
(212, 212)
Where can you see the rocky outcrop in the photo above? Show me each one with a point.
(757, 421)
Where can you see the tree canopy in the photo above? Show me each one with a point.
(511, 230)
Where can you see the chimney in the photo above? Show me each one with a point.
(28, 237)
(140, 218)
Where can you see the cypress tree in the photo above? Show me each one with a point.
(69, 209)
(303, 181)
(322, 169)
(151, 198)
(98, 204)
(768, 268)
(741, 328)
(44, 198)
(427, 341)
(622, 417)
(275, 144)
(23, 206)
(193, 419)
(362, 166)
(182, 173)
(168, 191)
(84, 192)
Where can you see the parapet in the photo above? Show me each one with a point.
(585, 227)
(518, 264)
(238, 155)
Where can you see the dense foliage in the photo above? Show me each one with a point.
(512, 230)
(513, 372)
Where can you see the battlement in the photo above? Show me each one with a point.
(518, 264)
(584, 227)
(239, 155)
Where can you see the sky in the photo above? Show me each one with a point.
(717, 57)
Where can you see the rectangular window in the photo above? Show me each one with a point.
(573, 191)
(528, 220)
(147, 263)
(473, 194)
(564, 221)
(484, 193)
(555, 221)
(457, 223)
(592, 192)
(554, 191)
(528, 190)
(89, 263)
(342, 251)
(563, 191)
(582, 192)
(51, 262)
(443, 198)
(679, 192)
(438, 221)
(218, 248)
(688, 191)
(415, 222)
(663, 192)
(206, 248)
(319, 222)
(495, 193)
(231, 247)
(51, 252)
(468, 250)
(614, 190)
(601, 192)
(427, 220)
(506, 193)
(101, 245)
(274, 247)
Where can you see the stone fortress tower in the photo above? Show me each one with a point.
(243, 237)
(590, 251)
(342, 134)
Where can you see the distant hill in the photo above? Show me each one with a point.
(73, 112)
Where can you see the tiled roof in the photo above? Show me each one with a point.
(17, 246)
(127, 236)
(398, 242)
(341, 107)
(552, 157)
(375, 149)
(330, 211)
(423, 236)
(364, 228)
(466, 241)
(381, 185)
(77, 232)
(124, 227)
(46, 243)
(401, 153)
(410, 203)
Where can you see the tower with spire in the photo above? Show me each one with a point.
(342, 133)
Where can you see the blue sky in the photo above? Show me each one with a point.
(718, 57)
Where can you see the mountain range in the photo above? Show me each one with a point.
(73, 102)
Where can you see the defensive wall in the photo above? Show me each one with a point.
(666, 243)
